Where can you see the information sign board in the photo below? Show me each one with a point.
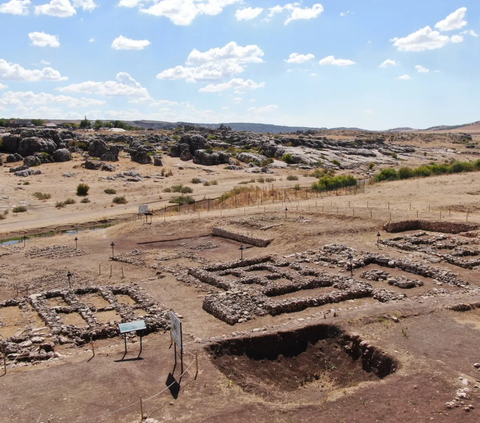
(176, 330)
(132, 326)
(143, 209)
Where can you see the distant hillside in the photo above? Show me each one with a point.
(237, 126)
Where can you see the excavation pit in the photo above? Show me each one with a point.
(319, 359)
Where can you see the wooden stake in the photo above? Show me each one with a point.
(4, 363)
(141, 409)
(99, 269)
(123, 273)
(93, 347)
(111, 270)
(196, 365)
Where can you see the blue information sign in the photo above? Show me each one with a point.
(132, 326)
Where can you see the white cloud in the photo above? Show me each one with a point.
(231, 51)
(306, 13)
(88, 5)
(388, 62)
(183, 12)
(330, 60)
(41, 39)
(313, 74)
(470, 32)
(343, 14)
(263, 109)
(299, 58)
(91, 40)
(129, 3)
(58, 8)
(3, 87)
(405, 77)
(455, 20)
(14, 72)
(28, 98)
(253, 100)
(248, 13)
(237, 100)
(124, 85)
(421, 69)
(421, 40)
(295, 12)
(456, 39)
(238, 84)
(214, 64)
(44, 62)
(368, 112)
(124, 43)
(15, 7)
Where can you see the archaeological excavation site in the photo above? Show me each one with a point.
(212, 275)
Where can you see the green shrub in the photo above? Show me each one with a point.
(335, 162)
(183, 199)
(288, 158)
(82, 190)
(59, 204)
(422, 171)
(196, 181)
(215, 182)
(206, 184)
(292, 178)
(328, 183)
(120, 200)
(261, 180)
(405, 173)
(181, 188)
(371, 165)
(70, 201)
(167, 190)
(270, 180)
(19, 209)
(394, 155)
(296, 187)
(109, 191)
(85, 200)
(42, 196)
(386, 175)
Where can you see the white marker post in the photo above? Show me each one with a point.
(177, 337)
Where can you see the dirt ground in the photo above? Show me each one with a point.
(434, 348)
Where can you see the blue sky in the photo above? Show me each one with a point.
(373, 64)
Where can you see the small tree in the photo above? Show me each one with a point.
(82, 190)
(85, 123)
(98, 124)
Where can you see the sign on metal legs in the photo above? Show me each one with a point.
(177, 337)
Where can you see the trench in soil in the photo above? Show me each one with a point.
(319, 358)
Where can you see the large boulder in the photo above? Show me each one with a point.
(251, 158)
(10, 143)
(157, 161)
(186, 155)
(15, 157)
(32, 161)
(210, 159)
(92, 164)
(97, 148)
(140, 156)
(194, 141)
(1, 160)
(28, 146)
(62, 155)
(111, 155)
